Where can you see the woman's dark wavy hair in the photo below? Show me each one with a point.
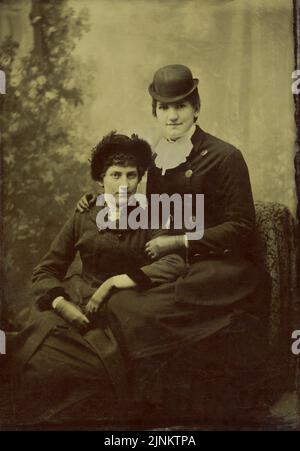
(116, 149)
(193, 99)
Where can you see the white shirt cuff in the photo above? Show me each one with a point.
(186, 241)
(56, 301)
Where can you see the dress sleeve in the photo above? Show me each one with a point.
(48, 275)
(235, 233)
(166, 269)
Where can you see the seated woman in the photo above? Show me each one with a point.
(72, 352)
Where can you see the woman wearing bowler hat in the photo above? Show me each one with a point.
(216, 304)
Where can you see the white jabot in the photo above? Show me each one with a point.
(171, 154)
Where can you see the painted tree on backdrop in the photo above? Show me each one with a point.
(40, 121)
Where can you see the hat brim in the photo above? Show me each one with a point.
(163, 99)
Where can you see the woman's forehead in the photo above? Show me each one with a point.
(123, 169)
(179, 102)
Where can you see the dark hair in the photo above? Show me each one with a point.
(115, 149)
(119, 159)
(193, 99)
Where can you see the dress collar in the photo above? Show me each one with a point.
(111, 214)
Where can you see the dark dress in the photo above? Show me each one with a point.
(59, 369)
(210, 319)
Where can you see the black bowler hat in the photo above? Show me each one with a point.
(172, 83)
(113, 144)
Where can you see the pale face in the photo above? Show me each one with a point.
(175, 118)
(117, 178)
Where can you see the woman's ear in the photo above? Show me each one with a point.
(100, 183)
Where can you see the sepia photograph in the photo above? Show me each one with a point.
(149, 212)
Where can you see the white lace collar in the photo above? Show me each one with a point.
(171, 154)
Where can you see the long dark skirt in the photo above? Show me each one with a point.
(202, 337)
(64, 379)
(214, 295)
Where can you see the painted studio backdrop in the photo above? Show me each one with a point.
(77, 69)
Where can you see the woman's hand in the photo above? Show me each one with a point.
(99, 296)
(163, 245)
(70, 312)
(85, 202)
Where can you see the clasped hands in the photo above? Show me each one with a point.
(81, 319)
(74, 314)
